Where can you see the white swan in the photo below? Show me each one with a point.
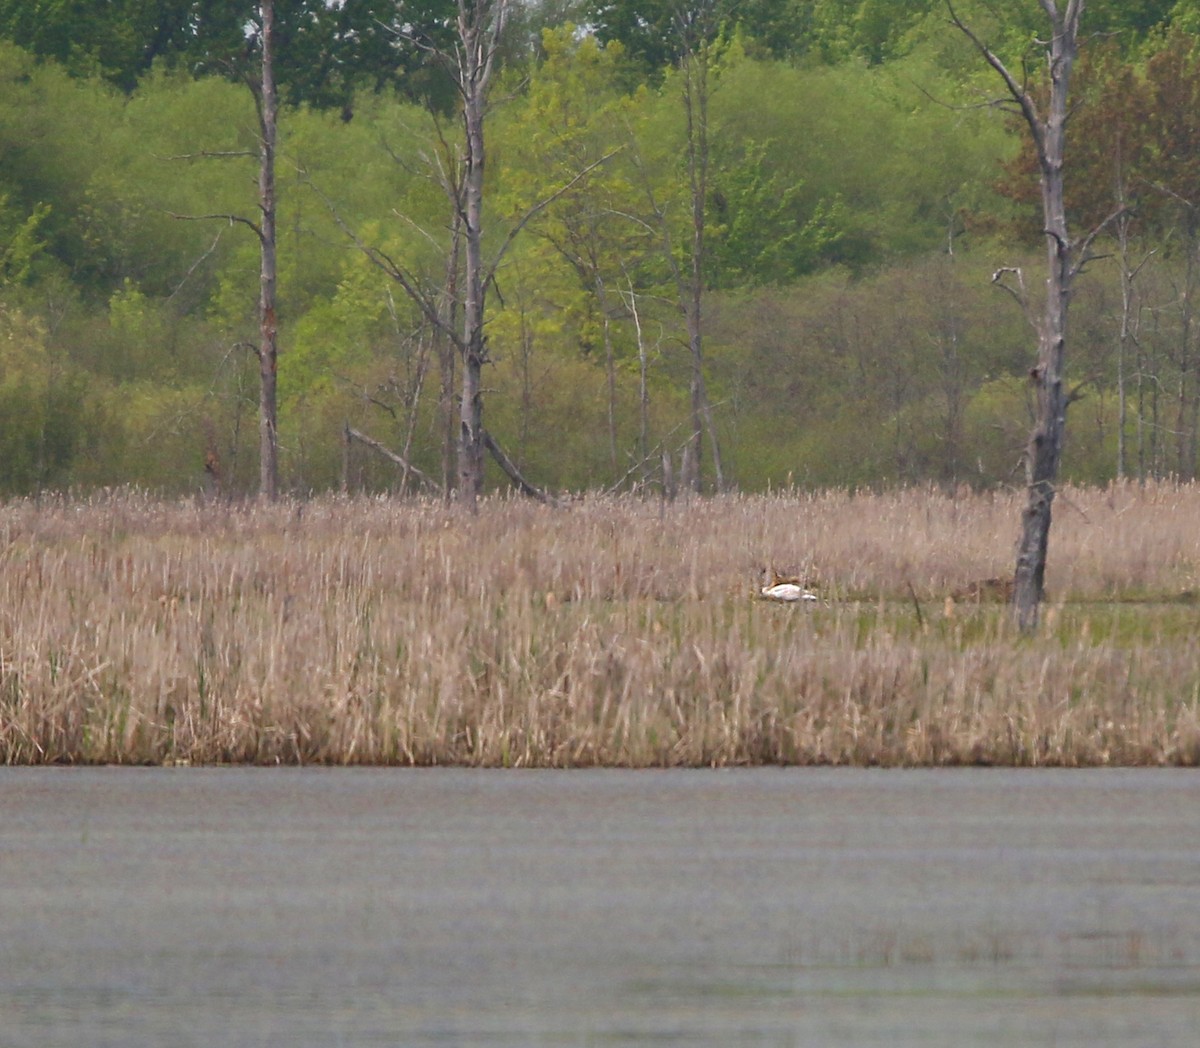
(775, 587)
(787, 591)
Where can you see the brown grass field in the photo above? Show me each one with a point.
(610, 632)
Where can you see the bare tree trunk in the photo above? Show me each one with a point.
(1185, 429)
(268, 433)
(470, 438)
(643, 386)
(1129, 340)
(610, 369)
(1185, 363)
(1123, 345)
(526, 368)
(446, 410)
(668, 472)
(689, 284)
(480, 25)
(1141, 419)
(695, 99)
(1044, 449)
(266, 102)
(414, 399)
(446, 322)
(346, 442)
(1157, 454)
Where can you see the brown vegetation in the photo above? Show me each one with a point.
(999, 588)
(614, 632)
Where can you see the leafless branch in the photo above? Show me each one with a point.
(1085, 245)
(231, 219)
(399, 460)
(1006, 104)
(1020, 94)
(1190, 205)
(426, 303)
(1019, 295)
(514, 474)
(211, 154)
(541, 206)
(196, 265)
(653, 455)
(423, 233)
(1133, 273)
(635, 219)
(360, 392)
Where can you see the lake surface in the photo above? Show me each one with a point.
(321, 907)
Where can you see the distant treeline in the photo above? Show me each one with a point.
(859, 196)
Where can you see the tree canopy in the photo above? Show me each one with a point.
(861, 192)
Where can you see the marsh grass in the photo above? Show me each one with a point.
(612, 632)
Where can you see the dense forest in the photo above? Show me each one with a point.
(721, 245)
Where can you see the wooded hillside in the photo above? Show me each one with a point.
(742, 245)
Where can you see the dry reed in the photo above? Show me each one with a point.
(612, 632)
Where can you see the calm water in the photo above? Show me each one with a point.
(239, 907)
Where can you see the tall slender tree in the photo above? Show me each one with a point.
(697, 28)
(480, 29)
(471, 58)
(261, 83)
(1045, 117)
(268, 347)
(697, 25)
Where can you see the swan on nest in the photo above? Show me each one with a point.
(790, 591)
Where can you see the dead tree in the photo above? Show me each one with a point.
(268, 347)
(695, 33)
(266, 102)
(1046, 124)
(480, 27)
(470, 60)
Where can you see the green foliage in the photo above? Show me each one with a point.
(325, 52)
(834, 377)
(832, 32)
(853, 335)
(46, 418)
(748, 200)
(116, 40)
(874, 30)
(819, 156)
(51, 142)
(20, 243)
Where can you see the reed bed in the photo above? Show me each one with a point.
(609, 632)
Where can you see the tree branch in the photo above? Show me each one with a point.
(1020, 296)
(231, 219)
(1085, 246)
(196, 265)
(541, 206)
(399, 460)
(514, 474)
(1019, 94)
(207, 154)
(381, 259)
